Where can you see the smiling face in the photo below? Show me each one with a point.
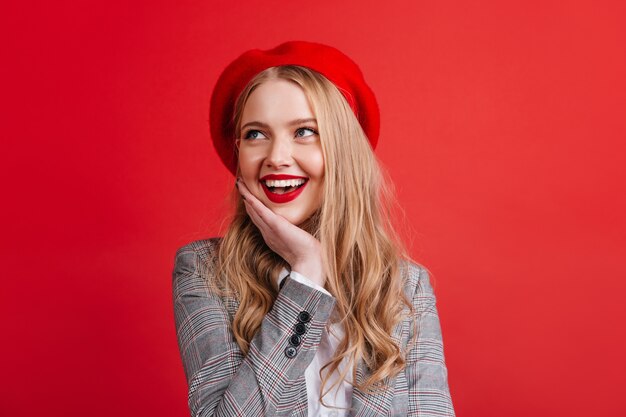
(280, 154)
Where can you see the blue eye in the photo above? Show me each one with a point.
(254, 134)
(304, 132)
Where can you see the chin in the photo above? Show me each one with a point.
(295, 216)
(291, 217)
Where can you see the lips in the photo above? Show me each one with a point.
(282, 180)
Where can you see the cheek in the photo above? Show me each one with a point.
(312, 162)
(248, 163)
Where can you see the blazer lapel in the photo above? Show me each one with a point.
(301, 409)
(366, 404)
(375, 405)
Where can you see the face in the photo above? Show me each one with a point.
(280, 155)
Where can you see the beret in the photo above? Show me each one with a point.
(326, 60)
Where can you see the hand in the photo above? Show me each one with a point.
(299, 248)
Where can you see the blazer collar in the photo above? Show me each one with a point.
(371, 405)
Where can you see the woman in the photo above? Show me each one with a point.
(307, 305)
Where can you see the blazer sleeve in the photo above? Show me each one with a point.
(222, 381)
(426, 371)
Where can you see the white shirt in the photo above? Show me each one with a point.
(341, 396)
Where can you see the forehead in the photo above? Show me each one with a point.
(275, 100)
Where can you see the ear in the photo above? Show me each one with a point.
(237, 143)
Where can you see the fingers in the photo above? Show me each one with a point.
(256, 219)
(260, 210)
(293, 244)
(257, 212)
(255, 208)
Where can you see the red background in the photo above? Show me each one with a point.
(502, 125)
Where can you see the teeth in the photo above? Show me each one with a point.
(285, 183)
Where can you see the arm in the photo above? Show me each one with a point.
(222, 382)
(426, 371)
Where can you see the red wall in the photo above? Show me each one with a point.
(503, 126)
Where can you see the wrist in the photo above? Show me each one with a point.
(296, 276)
(311, 270)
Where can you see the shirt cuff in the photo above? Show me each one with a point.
(304, 280)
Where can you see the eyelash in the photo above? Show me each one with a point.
(306, 128)
(248, 134)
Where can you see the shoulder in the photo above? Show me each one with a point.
(193, 265)
(205, 249)
(199, 253)
(416, 279)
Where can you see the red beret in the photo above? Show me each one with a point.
(328, 61)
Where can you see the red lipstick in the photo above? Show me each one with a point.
(281, 177)
(282, 198)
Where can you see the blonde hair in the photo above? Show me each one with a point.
(360, 253)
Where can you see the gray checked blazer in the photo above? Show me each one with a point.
(269, 380)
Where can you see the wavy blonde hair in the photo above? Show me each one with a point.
(361, 256)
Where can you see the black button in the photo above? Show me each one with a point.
(304, 317)
(300, 328)
(290, 351)
(295, 340)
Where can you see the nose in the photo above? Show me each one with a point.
(280, 154)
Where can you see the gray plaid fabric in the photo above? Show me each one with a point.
(267, 382)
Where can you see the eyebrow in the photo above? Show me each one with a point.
(291, 123)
